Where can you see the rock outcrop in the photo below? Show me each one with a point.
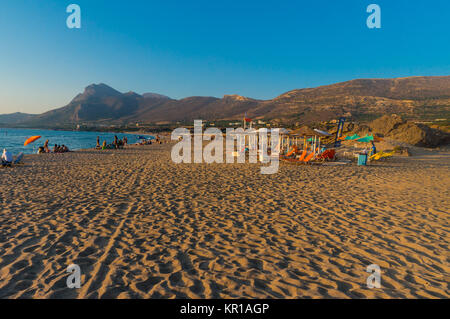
(387, 123)
(394, 127)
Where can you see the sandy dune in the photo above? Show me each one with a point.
(139, 225)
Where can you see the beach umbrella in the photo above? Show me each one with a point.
(31, 140)
(283, 131)
(303, 131)
(320, 132)
(353, 137)
(365, 139)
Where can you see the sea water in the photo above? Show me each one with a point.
(13, 139)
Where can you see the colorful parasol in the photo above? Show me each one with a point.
(31, 140)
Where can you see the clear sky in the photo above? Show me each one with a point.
(184, 48)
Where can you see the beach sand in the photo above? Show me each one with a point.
(140, 226)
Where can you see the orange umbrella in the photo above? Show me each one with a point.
(31, 140)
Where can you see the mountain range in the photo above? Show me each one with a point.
(413, 97)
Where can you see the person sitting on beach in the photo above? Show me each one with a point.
(7, 158)
(55, 149)
(64, 149)
(104, 145)
(41, 150)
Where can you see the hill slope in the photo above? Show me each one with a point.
(413, 97)
(14, 118)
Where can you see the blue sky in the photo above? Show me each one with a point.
(184, 48)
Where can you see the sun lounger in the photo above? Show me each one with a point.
(302, 156)
(381, 155)
(293, 150)
(328, 155)
(308, 157)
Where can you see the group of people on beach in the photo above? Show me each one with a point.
(116, 144)
(121, 143)
(60, 149)
(150, 141)
(147, 142)
(56, 149)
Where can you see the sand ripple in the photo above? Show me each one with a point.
(140, 226)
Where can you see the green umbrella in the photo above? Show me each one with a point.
(353, 137)
(365, 139)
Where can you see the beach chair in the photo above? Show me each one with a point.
(18, 159)
(308, 158)
(293, 151)
(302, 156)
(381, 156)
(328, 155)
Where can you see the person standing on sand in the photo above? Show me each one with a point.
(116, 144)
(98, 142)
(46, 150)
(125, 141)
(373, 149)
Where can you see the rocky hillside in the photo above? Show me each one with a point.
(413, 98)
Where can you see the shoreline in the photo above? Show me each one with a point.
(64, 137)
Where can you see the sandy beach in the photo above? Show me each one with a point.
(140, 226)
